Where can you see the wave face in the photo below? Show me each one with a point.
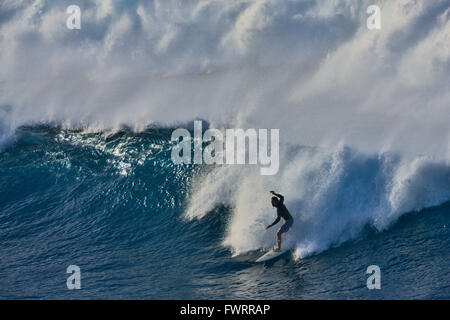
(363, 119)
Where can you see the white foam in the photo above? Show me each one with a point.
(332, 195)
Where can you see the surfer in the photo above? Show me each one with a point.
(282, 212)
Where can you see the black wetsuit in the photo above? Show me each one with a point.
(282, 211)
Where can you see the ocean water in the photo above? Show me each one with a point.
(115, 205)
(87, 179)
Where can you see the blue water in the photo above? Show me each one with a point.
(114, 204)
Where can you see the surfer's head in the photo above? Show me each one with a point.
(275, 201)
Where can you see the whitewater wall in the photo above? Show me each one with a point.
(332, 195)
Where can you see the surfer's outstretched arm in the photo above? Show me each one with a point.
(279, 196)
(274, 223)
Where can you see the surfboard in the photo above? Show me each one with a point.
(270, 255)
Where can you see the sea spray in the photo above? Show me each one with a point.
(253, 64)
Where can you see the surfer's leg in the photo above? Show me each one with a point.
(284, 228)
(278, 242)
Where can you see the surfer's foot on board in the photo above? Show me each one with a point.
(276, 249)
